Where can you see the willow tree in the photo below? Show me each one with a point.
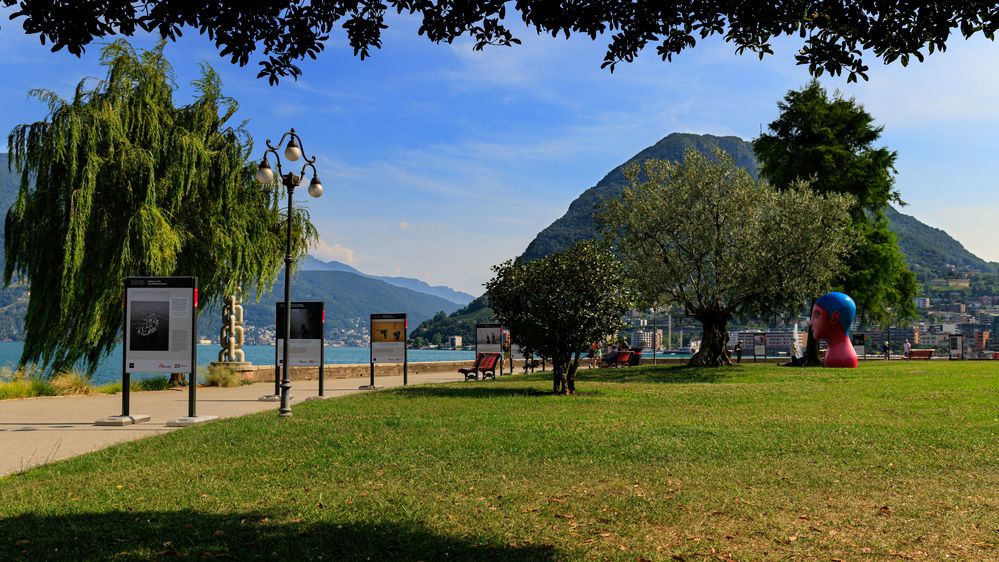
(705, 235)
(118, 181)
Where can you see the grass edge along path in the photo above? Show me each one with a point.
(892, 461)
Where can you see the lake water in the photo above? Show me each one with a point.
(110, 369)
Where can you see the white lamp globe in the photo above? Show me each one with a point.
(315, 188)
(265, 174)
(292, 152)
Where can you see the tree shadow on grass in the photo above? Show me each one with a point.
(483, 389)
(668, 374)
(189, 535)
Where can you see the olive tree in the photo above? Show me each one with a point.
(705, 235)
(556, 306)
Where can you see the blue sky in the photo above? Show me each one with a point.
(439, 161)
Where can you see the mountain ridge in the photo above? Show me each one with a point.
(311, 263)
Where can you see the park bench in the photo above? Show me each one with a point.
(484, 366)
(920, 354)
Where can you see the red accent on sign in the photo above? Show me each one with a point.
(195, 297)
(324, 316)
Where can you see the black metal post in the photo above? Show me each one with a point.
(125, 377)
(322, 355)
(193, 383)
(655, 337)
(277, 373)
(405, 366)
(372, 374)
(285, 409)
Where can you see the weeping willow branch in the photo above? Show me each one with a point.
(118, 181)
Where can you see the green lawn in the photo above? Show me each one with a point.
(892, 461)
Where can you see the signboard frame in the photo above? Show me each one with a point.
(859, 343)
(386, 347)
(759, 345)
(494, 340)
(314, 316)
(154, 326)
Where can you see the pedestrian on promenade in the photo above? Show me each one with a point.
(906, 348)
(738, 352)
(886, 350)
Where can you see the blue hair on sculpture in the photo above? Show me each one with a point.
(841, 303)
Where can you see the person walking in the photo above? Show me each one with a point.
(738, 352)
(886, 350)
(906, 348)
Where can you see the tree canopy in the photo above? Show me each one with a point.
(119, 182)
(832, 142)
(836, 33)
(558, 305)
(705, 235)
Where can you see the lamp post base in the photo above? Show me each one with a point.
(368, 387)
(188, 421)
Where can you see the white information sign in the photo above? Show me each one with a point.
(305, 348)
(388, 338)
(159, 324)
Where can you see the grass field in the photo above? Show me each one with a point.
(893, 461)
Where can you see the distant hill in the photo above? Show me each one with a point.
(350, 295)
(459, 323)
(310, 263)
(929, 251)
(578, 223)
(350, 300)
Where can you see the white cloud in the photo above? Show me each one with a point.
(326, 251)
(403, 225)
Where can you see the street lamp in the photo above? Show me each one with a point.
(290, 181)
(654, 335)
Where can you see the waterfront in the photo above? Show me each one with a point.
(110, 368)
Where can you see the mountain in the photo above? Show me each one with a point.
(350, 300)
(929, 251)
(350, 295)
(578, 223)
(310, 263)
(459, 323)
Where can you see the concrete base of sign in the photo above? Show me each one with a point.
(311, 398)
(119, 421)
(188, 421)
(368, 387)
(274, 398)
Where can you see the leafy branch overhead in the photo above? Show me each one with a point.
(835, 32)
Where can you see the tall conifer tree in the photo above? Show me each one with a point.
(832, 143)
(119, 182)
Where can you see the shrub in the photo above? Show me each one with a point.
(222, 376)
(71, 382)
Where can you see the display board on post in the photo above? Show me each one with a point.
(306, 347)
(160, 328)
(388, 344)
(859, 342)
(489, 339)
(956, 348)
(759, 346)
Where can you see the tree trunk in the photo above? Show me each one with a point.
(714, 340)
(556, 376)
(571, 378)
(178, 379)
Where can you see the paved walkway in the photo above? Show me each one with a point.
(35, 431)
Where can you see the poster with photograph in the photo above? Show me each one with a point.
(305, 348)
(160, 328)
(388, 338)
(488, 338)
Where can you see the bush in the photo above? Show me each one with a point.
(222, 376)
(71, 382)
(24, 383)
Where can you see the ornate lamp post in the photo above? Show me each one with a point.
(290, 181)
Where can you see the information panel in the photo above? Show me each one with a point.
(760, 345)
(388, 338)
(305, 348)
(488, 338)
(159, 324)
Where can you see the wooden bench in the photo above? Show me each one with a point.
(920, 354)
(485, 365)
(617, 359)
